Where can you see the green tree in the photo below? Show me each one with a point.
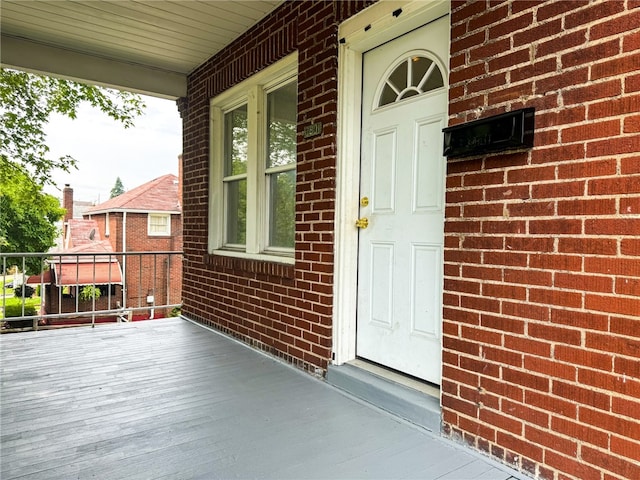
(118, 189)
(282, 212)
(27, 216)
(26, 103)
(236, 164)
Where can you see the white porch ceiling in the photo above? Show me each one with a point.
(148, 46)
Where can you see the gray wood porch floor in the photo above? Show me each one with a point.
(169, 399)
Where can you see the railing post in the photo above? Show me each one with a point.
(93, 295)
(4, 282)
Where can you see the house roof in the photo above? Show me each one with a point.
(101, 249)
(40, 278)
(86, 260)
(84, 233)
(142, 45)
(158, 195)
(93, 262)
(98, 273)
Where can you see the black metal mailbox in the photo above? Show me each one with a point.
(507, 131)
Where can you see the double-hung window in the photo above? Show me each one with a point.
(159, 224)
(253, 166)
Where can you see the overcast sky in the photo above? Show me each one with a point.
(105, 150)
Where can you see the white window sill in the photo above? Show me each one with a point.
(264, 257)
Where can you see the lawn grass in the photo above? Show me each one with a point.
(8, 292)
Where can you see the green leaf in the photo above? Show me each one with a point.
(27, 214)
(26, 104)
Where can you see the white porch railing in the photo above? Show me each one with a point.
(131, 286)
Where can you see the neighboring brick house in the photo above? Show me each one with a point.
(510, 281)
(80, 259)
(69, 274)
(83, 260)
(146, 219)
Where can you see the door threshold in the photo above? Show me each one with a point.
(408, 398)
(397, 377)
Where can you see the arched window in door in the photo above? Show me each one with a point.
(414, 75)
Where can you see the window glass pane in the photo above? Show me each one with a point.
(281, 125)
(435, 81)
(388, 96)
(236, 209)
(419, 68)
(282, 211)
(399, 77)
(158, 223)
(235, 141)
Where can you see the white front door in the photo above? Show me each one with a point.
(400, 258)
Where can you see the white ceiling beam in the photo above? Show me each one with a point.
(37, 57)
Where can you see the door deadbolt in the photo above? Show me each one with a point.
(362, 222)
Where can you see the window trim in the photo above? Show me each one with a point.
(251, 92)
(167, 233)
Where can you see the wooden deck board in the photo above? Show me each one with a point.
(167, 399)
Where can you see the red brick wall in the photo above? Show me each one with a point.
(115, 229)
(145, 276)
(155, 275)
(542, 261)
(138, 239)
(282, 309)
(56, 303)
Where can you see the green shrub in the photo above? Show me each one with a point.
(16, 311)
(28, 291)
(89, 292)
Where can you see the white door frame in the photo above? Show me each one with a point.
(370, 28)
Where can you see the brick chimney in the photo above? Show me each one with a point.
(67, 202)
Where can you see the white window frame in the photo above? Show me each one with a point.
(158, 215)
(252, 92)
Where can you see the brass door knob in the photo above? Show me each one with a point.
(362, 222)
